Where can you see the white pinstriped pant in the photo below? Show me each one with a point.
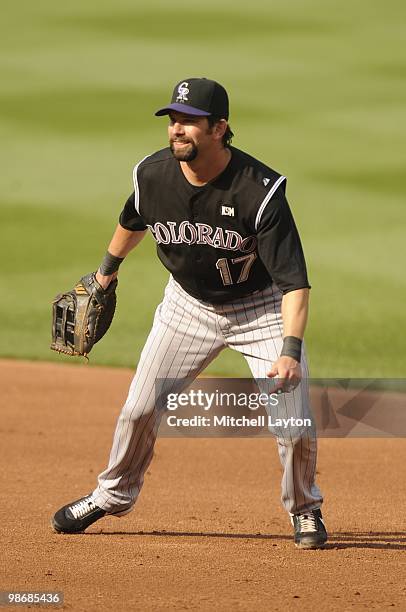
(186, 336)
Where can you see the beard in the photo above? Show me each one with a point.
(187, 153)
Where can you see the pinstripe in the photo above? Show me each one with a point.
(264, 344)
(297, 491)
(313, 458)
(140, 382)
(282, 449)
(133, 480)
(271, 324)
(151, 422)
(290, 474)
(153, 416)
(195, 332)
(145, 360)
(253, 331)
(304, 398)
(148, 457)
(303, 439)
(210, 350)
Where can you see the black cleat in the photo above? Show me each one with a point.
(77, 516)
(310, 531)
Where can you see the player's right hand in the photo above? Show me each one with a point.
(287, 372)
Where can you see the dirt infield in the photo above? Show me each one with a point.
(208, 532)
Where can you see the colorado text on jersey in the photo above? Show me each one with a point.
(202, 233)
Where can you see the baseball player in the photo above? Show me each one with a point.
(238, 279)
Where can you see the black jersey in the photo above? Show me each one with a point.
(224, 240)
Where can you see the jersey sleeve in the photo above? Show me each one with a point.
(129, 217)
(279, 245)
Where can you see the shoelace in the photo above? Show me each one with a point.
(307, 522)
(83, 507)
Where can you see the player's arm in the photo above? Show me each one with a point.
(122, 242)
(280, 248)
(295, 307)
(129, 232)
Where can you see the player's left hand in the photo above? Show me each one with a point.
(82, 316)
(288, 372)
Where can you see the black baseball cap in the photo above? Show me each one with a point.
(198, 97)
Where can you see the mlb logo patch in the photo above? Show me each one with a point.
(227, 211)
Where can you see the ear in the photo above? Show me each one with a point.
(219, 129)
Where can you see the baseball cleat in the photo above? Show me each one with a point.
(77, 516)
(310, 531)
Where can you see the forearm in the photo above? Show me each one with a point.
(295, 308)
(122, 242)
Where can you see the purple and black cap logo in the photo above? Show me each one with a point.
(198, 97)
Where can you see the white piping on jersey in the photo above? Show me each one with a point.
(266, 200)
(136, 188)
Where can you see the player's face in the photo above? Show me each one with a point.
(188, 134)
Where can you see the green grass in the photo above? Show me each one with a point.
(317, 91)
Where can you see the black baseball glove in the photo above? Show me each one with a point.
(82, 316)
